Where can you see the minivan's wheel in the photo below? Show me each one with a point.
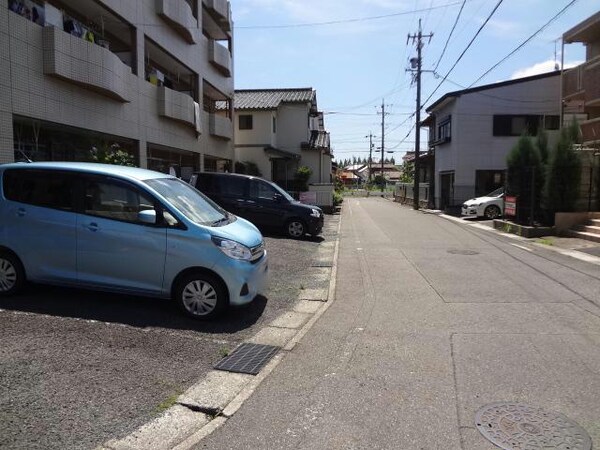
(12, 274)
(201, 296)
(492, 212)
(295, 228)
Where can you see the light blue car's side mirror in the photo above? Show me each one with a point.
(147, 216)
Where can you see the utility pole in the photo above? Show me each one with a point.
(416, 69)
(370, 136)
(383, 113)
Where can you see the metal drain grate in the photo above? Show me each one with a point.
(454, 251)
(514, 426)
(247, 358)
(321, 264)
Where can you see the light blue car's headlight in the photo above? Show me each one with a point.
(315, 213)
(233, 249)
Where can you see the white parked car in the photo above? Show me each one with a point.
(489, 206)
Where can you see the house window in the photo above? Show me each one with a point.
(245, 121)
(551, 122)
(444, 130)
(274, 125)
(516, 125)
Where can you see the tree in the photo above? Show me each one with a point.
(408, 172)
(111, 154)
(524, 178)
(561, 190)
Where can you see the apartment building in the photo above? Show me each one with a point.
(81, 79)
(472, 131)
(280, 130)
(581, 84)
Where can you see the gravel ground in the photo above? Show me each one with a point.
(79, 367)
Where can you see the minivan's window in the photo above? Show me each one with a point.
(281, 191)
(230, 186)
(190, 202)
(262, 190)
(48, 189)
(114, 200)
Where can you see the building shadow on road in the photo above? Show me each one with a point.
(130, 310)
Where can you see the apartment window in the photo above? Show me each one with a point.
(245, 121)
(444, 130)
(516, 125)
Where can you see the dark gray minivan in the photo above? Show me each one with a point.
(261, 202)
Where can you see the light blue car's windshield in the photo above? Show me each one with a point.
(287, 196)
(190, 202)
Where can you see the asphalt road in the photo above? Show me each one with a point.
(432, 319)
(79, 367)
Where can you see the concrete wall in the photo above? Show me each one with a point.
(473, 145)
(26, 91)
(256, 155)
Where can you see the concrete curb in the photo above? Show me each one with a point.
(210, 402)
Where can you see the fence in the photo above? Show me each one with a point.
(404, 193)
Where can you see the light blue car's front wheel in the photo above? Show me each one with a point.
(201, 296)
(12, 274)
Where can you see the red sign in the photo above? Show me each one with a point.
(510, 206)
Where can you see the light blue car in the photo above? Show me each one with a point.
(127, 230)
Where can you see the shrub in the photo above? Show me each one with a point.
(111, 154)
(302, 176)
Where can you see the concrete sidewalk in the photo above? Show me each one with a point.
(431, 321)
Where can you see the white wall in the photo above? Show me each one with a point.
(261, 132)
(292, 126)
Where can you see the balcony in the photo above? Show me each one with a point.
(220, 10)
(591, 83)
(590, 129)
(179, 14)
(176, 105)
(220, 57)
(220, 126)
(86, 64)
(572, 82)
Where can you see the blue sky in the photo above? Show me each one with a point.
(359, 60)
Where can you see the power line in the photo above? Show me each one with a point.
(465, 50)
(525, 41)
(450, 35)
(335, 22)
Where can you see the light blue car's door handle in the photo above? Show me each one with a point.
(20, 212)
(92, 226)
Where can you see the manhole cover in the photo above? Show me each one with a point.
(455, 251)
(247, 358)
(514, 426)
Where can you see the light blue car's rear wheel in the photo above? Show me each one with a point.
(201, 296)
(12, 274)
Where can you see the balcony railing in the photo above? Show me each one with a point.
(221, 11)
(590, 129)
(220, 126)
(179, 15)
(176, 105)
(572, 82)
(220, 57)
(84, 63)
(591, 83)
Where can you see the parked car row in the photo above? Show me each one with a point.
(135, 231)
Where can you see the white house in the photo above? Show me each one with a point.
(472, 131)
(280, 130)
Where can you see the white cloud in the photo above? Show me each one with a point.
(543, 67)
